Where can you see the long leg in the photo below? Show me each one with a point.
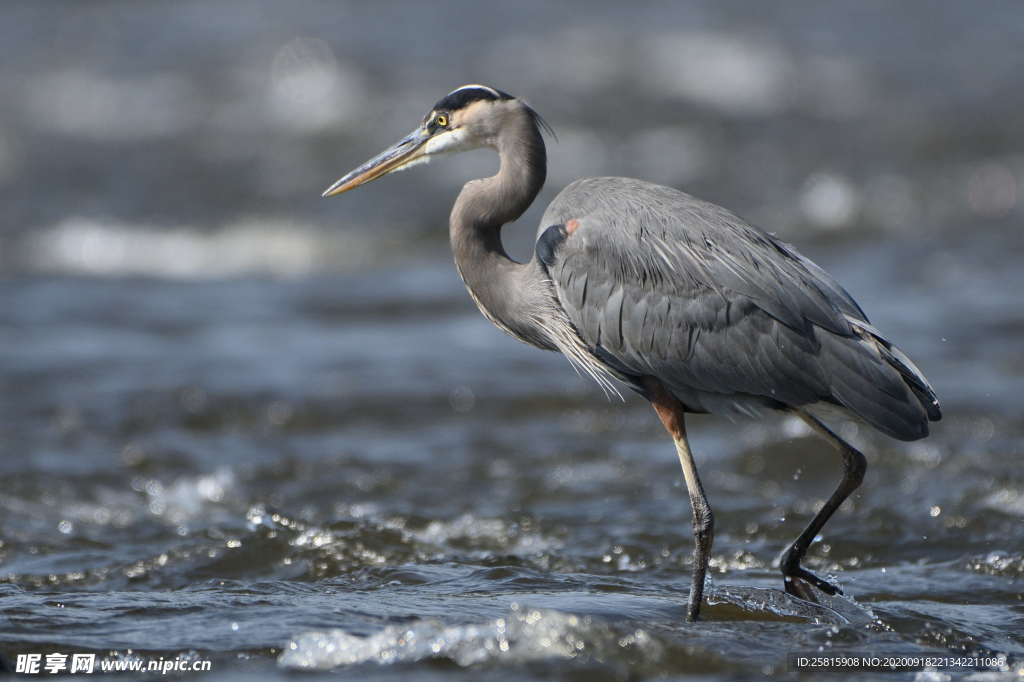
(854, 466)
(671, 412)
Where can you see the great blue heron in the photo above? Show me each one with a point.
(680, 300)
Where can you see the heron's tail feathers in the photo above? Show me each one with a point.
(907, 369)
(873, 379)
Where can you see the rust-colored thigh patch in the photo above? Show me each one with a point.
(571, 225)
(668, 408)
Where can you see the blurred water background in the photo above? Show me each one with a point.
(242, 423)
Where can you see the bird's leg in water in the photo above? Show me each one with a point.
(671, 412)
(854, 466)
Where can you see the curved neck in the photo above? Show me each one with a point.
(484, 206)
(502, 288)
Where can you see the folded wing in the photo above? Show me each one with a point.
(731, 320)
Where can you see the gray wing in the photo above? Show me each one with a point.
(730, 319)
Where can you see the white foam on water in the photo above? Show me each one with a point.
(80, 246)
(189, 496)
(488, 534)
(521, 636)
(998, 563)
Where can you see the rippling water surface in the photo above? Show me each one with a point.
(362, 473)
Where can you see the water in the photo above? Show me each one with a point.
(248, 470)
(243, 425)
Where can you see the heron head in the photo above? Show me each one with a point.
(468, 118)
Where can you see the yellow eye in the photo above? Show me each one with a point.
(441, 120)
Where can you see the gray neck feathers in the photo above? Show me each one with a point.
(508, 293)
(484, 206)
(518, 298)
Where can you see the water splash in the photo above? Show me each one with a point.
(523, 635)
(831, 610)
(998, 564)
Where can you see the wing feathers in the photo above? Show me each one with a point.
(727, 315)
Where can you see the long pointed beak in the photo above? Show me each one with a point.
(395, 158)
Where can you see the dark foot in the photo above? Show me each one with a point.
(797, 580)
(799, 589)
